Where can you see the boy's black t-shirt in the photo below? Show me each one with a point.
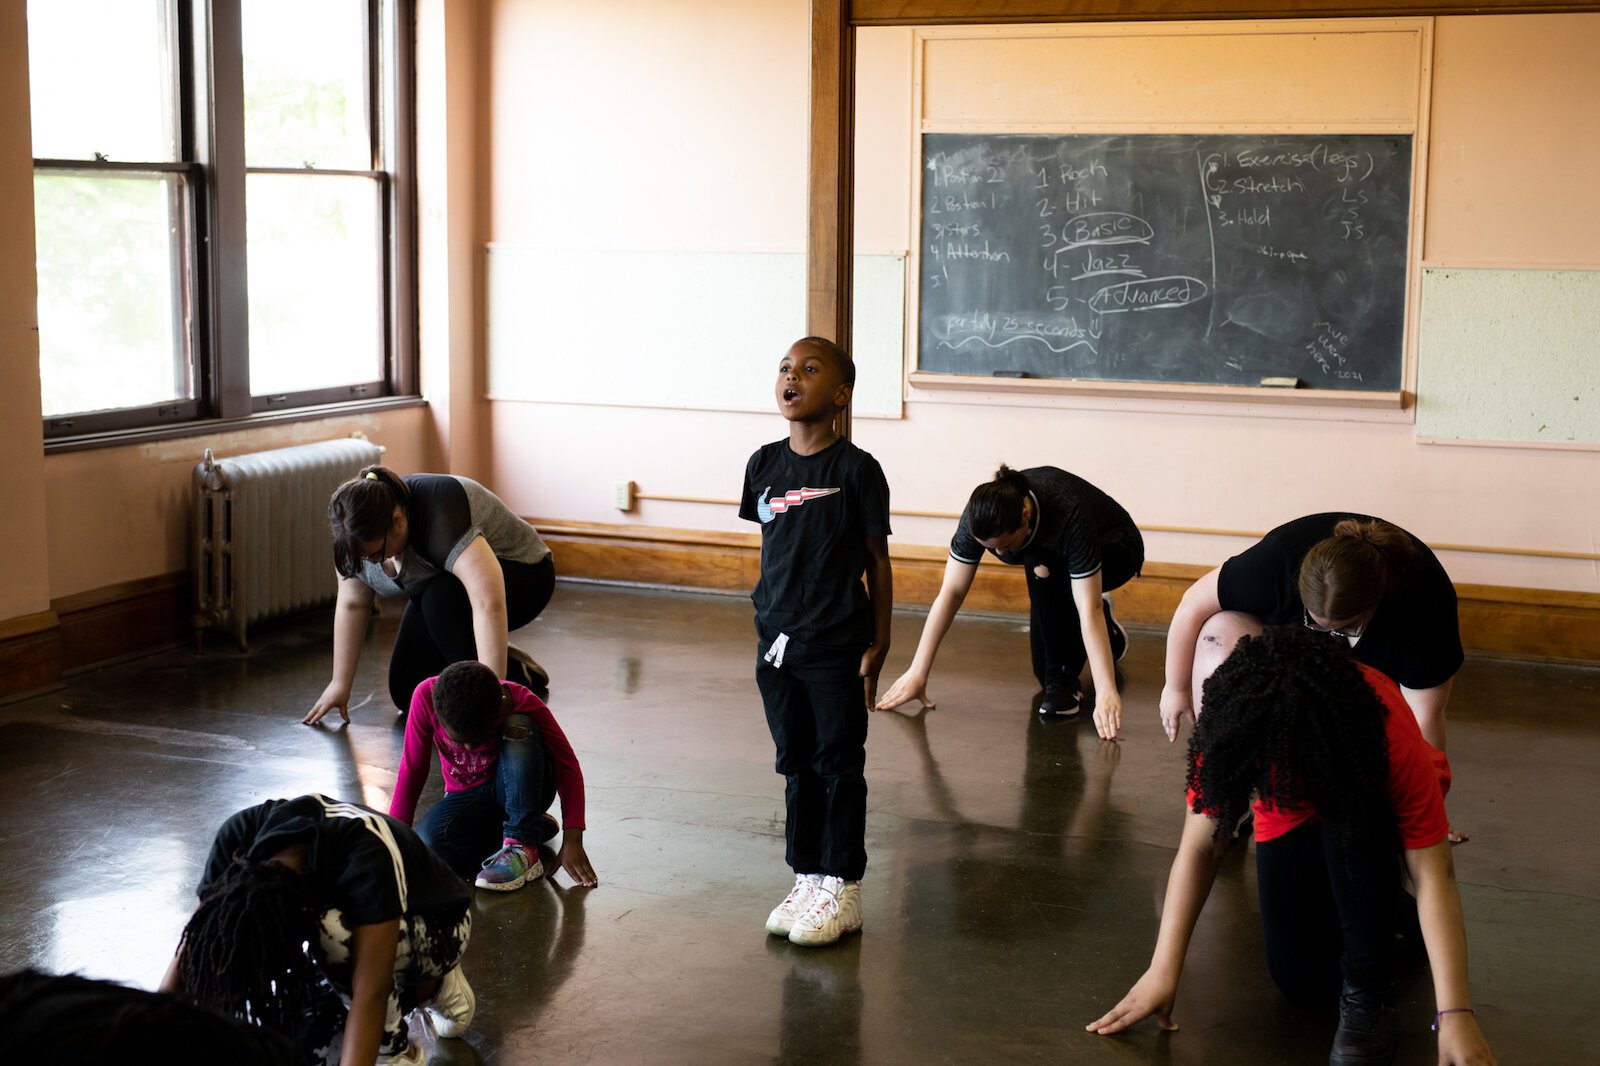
(373, 868)
(1075, 519)
(816, 513)
(1414, 637)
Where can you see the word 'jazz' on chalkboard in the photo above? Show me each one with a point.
(1166, 257)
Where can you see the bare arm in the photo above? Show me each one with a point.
(1428, 706)
(350, 614)
(480, 574)
(913, 684)
(1177, 698)
(1432, 870)
(1102, 666)
(880, 593)
(373, 949)
(1194, 869)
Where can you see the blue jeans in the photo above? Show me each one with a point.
(467, 827)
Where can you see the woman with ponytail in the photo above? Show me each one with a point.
(1075, 544)
(1346, 794)
(1363, 581)
(471, 570)
(327, 922)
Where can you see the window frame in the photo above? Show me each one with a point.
(210, 111)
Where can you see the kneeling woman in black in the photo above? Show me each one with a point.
(1365, 582)
(471, 569)
(1075, 544)
(1346, 789)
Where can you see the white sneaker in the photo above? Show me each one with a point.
(834, 911)
(782, 918)
(452, 1007)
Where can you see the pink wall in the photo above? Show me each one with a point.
(1173, 463)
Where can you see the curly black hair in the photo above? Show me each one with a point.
(467, 698)
(245, 950)
(1289, 717)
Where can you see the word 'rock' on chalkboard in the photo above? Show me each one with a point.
(1166, 257)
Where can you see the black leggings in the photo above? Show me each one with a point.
(1055, 633)
(1328, 912)
(436, 628)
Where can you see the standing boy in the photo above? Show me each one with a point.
(823, 505)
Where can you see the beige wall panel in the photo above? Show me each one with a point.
(622, 125)
(24, 585)
(1515, 145)
(121, 514)
(883, 140)
(1199, 77)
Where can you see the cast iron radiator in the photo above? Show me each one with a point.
(262, 547)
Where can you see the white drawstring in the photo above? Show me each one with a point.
(775, 653)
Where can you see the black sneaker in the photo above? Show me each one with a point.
(1119, 636)
(521, 668)
(1060, 700)
(1368, 1029)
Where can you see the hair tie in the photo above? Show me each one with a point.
(1449, 1010)
(371, 476)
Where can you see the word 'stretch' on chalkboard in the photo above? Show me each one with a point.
(1166, 257)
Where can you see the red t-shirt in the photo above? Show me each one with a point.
(1419, 777)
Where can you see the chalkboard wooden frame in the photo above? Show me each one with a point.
(1389, 362)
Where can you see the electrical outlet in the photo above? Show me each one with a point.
(622, 495)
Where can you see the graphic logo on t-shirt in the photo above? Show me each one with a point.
(770, 508)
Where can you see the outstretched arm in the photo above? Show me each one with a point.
(913, 684)
(373, 949)
(350, 614)
(1432, 869)
(1097, 643)
(1427, 704)
(480, 574)
(880, 594)
(1177, 695)
(1193, 871)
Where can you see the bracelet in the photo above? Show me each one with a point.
(1449, 1010)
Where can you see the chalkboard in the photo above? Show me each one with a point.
(1166, 257)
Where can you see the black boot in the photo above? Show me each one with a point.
(1368, 1029)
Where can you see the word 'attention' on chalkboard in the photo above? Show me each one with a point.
(1166, 257)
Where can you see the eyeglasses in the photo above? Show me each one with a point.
(1353, 633)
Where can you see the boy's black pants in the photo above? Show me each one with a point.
(816, 711)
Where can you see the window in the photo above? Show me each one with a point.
(223, 208)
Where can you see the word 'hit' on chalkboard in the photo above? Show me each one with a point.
(1166, 257)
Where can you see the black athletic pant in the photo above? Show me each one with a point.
(1328, 912)
(436, 628)
(817, 713)
(1055, 634)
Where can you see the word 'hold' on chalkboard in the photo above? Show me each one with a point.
(1166, 257)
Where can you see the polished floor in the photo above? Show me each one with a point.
(1017, 866)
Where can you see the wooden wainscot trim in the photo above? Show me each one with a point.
(30, 653)
(1495, 620)
(124, 619)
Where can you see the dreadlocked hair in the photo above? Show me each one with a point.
(1355, 569)
(245, 950)
(995, 507)
(1289, 717)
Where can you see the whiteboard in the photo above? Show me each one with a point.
(617, 328)
(1509, 355)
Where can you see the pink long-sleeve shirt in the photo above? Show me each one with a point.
(466, 767)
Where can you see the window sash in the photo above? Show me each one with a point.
(210, 91)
